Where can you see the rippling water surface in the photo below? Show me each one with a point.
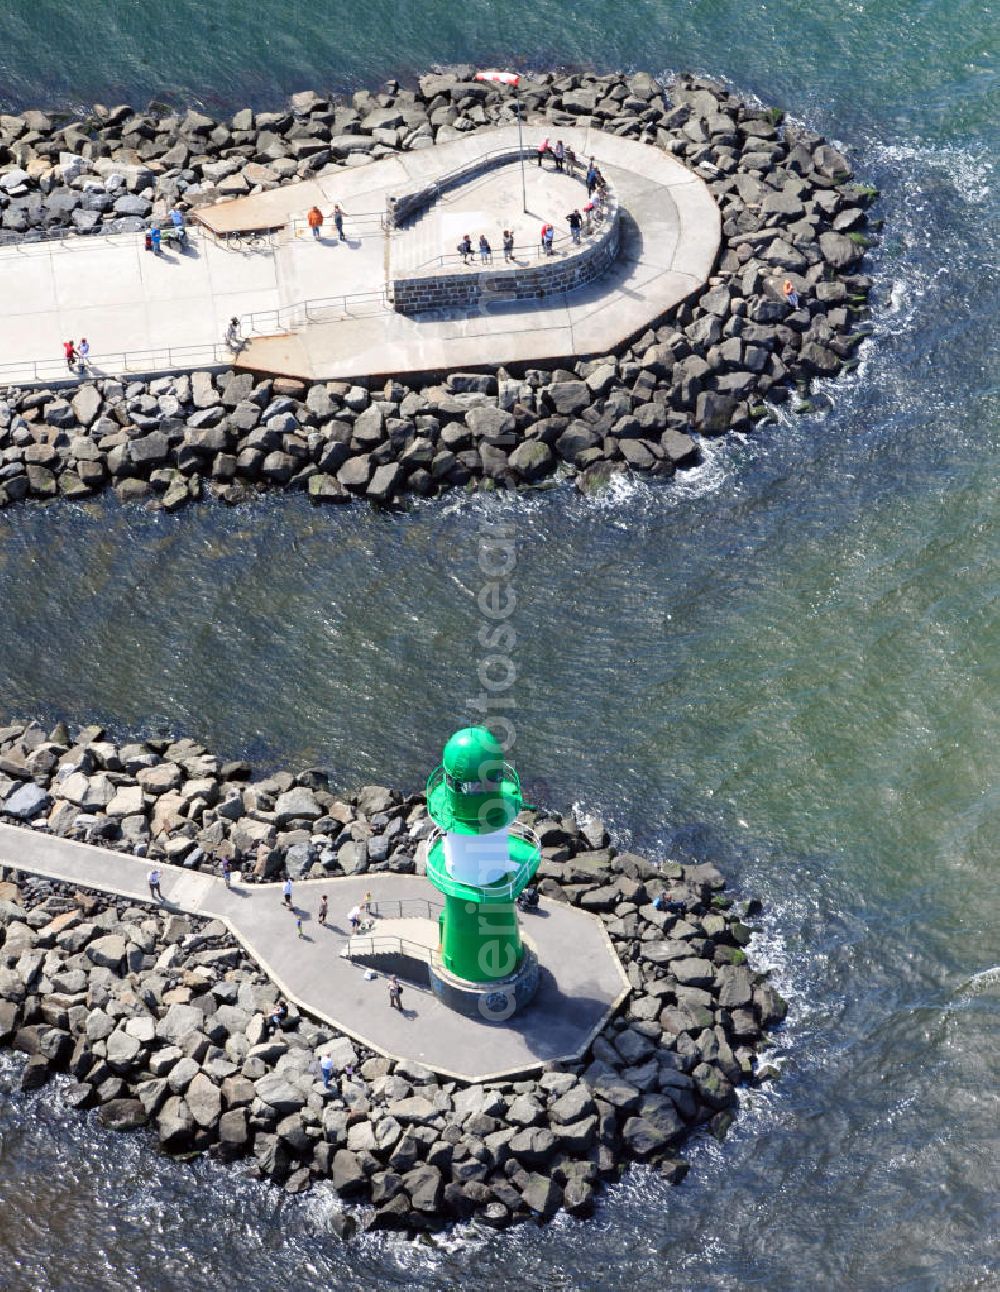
(787, 662)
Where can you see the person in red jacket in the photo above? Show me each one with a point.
(69, 350)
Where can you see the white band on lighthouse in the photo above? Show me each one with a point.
(478, 859)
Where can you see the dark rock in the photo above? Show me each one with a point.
(534, 1146)
(770, 1007)
(570, 1107)
(385, 482)
(714, 412)
(346, 1174)
(532, 460)
(541, 1195)
(36, 1072)
(424, 1185)
(643, 1138)
(123, 1114)
(26, 802)
(838, 250)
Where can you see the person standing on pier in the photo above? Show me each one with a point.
(338, 222)
(315, 221)
(395, 994)
(323, 909)
(508, 246)
(154, 886)
(69, 350)
(177, 221)
(234, 338)
(287, 894)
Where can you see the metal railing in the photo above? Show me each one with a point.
(507, 775)
(39, 240)
(514, 882)
(287, 318)
(432, 191)
(371, 222)
(594, 221)
(387, 944)
(399, 908)
(34, 237)
(168, 358)
(562, 245)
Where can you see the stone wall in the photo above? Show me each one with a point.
(405, 207)
(474, 286)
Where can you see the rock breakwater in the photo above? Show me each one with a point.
(787, 304)
(160, 1020)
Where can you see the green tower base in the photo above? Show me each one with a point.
(480, 941)
(478, 929)
(491, 1002)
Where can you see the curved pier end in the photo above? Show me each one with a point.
(670, 232)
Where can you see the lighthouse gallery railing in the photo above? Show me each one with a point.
(514, 882)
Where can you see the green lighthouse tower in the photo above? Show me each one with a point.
(480, 859)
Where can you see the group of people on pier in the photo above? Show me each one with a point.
(579, 221)
(563, 156)
(175, 230)
(468, 253)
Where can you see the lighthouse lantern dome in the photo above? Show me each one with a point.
(473, 790)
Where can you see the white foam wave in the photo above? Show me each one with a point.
(986, 980)
(970, 172)
(629, 492)
(584, 814)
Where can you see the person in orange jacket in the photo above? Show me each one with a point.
(315, 220)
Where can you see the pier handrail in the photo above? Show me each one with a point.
(284, 318)
(102, 235)
(604, 211)
(437, 186)
(527, 250)
(375, 944)
(173, 358)
(299, 224)
(383, 909)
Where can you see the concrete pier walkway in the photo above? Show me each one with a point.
(146, 313)
(582, 978)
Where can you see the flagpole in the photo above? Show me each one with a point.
(512, 78)
(520, 145)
